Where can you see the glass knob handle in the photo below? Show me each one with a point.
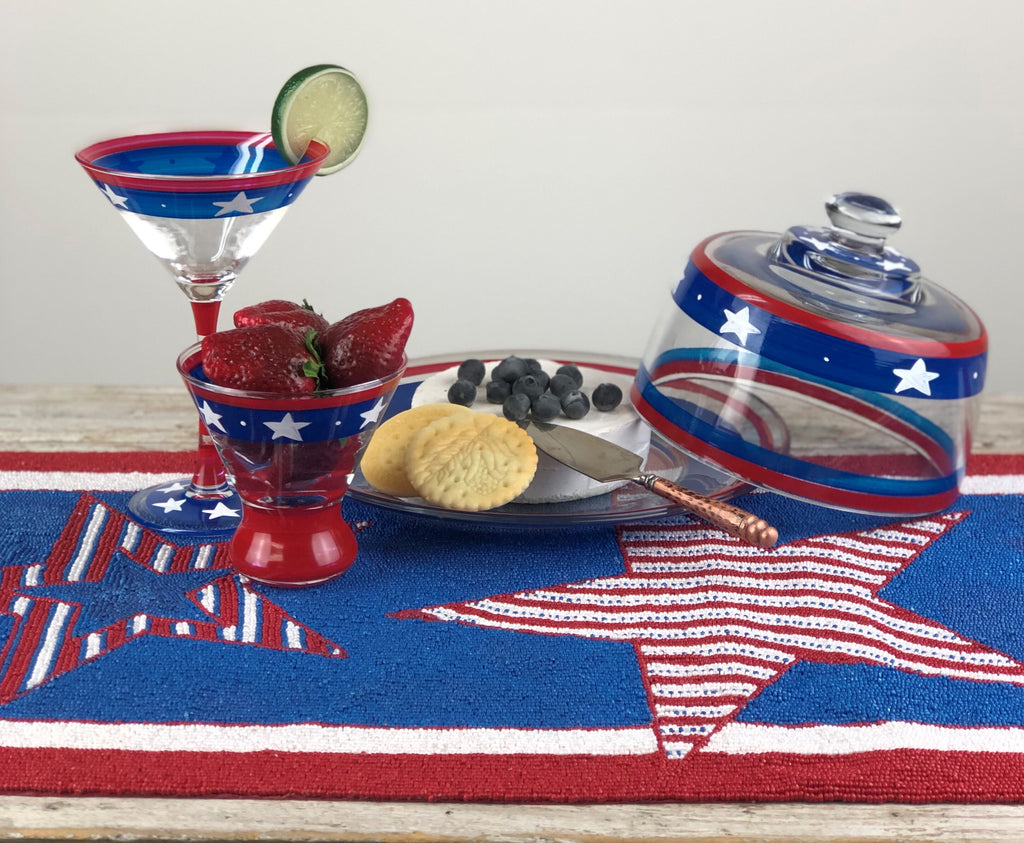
(863, 214)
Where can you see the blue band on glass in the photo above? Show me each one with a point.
(257, 425)
(204, 205)
(822, 355)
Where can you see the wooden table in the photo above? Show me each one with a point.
(57, 418)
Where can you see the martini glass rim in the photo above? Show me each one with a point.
(311, 161)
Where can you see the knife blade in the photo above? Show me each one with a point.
(605, 462)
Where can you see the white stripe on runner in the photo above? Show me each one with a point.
(744, 738)
(646, 585)
(41, 665)
(162, 558)
(250, 616)
(711, 669)
(85, 481)
(293, 635)
(703, 689)
(312, 737)
(92, 532)
(718, 648)
(734, 738)
(132, 531)
(708, 712)
(202, 560)
(93, 645)
(993, 484)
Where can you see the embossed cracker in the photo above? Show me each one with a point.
(471, 463)
(383, 463)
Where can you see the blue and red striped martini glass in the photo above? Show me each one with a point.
(202, 202)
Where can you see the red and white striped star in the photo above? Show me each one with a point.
(714, 621)
(101, 547)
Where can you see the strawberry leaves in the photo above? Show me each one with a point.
(314, 367)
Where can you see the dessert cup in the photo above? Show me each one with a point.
(291, 459)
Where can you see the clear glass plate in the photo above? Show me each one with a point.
(627, 503)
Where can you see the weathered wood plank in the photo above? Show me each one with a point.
(117, 418)
(38, 818)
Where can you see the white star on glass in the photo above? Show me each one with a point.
(287, 428)
(115, 198)
(174, 487)
(210, 418)
(371, 415)
(221, 510)
(916, 377)
(739, 324)
(171, 505)
(241, 204)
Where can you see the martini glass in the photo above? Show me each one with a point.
(203, 203)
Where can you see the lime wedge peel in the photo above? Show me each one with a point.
(324, 102)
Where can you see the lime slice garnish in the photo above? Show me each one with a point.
(323, 102)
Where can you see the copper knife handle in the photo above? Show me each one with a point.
(732, 519)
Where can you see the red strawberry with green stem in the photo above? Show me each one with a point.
(264, 358)
(367, 344)
(282, 312)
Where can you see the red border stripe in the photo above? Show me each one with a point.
(910, 776)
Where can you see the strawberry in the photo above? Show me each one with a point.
(263, 358)
(282, 312)
(367, 344)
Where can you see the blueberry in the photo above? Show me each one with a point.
(546, 407)
(606, 396)
(529, 386)
(498, 391)
(533, 365)
(575, 405)
(462, 392)
(573, 372)
(561, 385)
(472, 370)
(516, 407)
(510, 369)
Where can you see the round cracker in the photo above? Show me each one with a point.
(471, 463)
(383, 462)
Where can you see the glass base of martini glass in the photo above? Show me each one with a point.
(203, 203)
(205, 503)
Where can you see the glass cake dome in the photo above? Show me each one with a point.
(875, 370)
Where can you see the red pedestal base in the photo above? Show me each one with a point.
(292, 546)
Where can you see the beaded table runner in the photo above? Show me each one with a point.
(862, 659)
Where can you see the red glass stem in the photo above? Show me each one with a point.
(209, 477)
(205, 314)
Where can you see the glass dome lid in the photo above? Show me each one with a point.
(836, 331)
(840, 303)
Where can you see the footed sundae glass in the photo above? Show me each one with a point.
(203, 203)
(291, 458)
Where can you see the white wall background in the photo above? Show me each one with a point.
(535, 173)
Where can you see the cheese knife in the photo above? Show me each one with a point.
(606, 462)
